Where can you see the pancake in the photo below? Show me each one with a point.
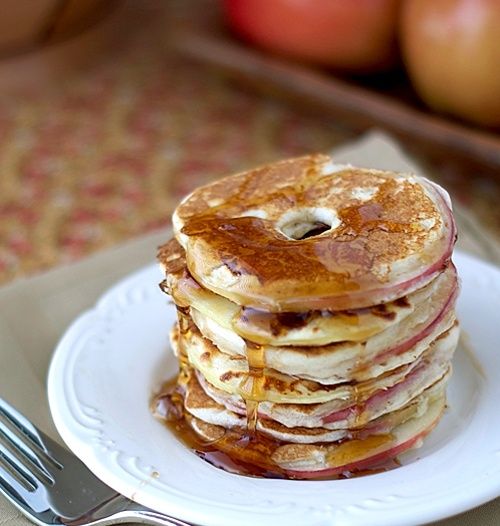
(201, 406)
(309, 461)
(321, 460)
(347, 361)
(198, 404)
(309, 328)
(231, 375)
(434, 366)
(303, 234)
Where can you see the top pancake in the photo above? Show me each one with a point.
(245, 235)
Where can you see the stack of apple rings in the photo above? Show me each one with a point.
(316, 314)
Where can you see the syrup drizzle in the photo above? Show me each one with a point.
(252, 388)
(248, 454)
(343, 454)
(370, 236)
(168, 406)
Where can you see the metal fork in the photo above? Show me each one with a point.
(52, 486)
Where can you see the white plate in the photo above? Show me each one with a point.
(113, 357)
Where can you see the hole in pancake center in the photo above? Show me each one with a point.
(305, 223)
(317, 229)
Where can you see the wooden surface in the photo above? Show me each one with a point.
(348, 101)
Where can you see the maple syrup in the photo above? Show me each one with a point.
(242, 453)
(344, 453)
(252, 388)
(168, 406)
(275, 323)
(370, 236)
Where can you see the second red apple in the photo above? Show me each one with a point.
(346, 35)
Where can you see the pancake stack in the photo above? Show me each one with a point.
(316, 321)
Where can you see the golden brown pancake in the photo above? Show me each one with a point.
(201, 406)
(303, 234)
(318, 460)
(367, 400)
(346, 361)
(231, 375)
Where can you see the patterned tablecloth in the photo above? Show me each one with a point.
(106, 153)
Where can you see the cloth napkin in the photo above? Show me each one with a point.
(34, 312)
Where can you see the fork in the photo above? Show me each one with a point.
(52, 486)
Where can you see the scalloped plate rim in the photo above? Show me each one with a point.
(88, 443)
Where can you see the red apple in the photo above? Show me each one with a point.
(349, 35)
(452, 52)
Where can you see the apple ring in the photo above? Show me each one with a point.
(307, 234)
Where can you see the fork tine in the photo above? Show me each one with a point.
(11, 487)
(19, 421)
(23, 449)
(38, 438)
(9, 460)
(20, 494)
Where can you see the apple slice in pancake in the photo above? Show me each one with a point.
(372, 401)
(387, 235)
(346, 361)
(234, 322)
(198, 404)
(310, 461)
